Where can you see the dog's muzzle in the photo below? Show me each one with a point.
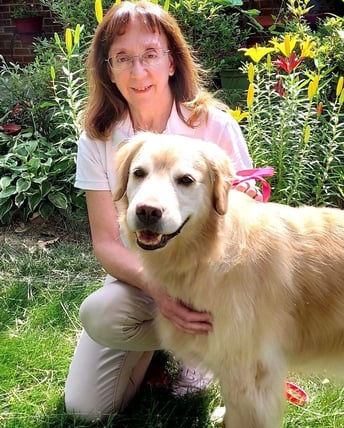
(149, 239)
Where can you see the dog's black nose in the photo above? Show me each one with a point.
(148, 215)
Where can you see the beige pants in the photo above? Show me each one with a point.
(113, 352)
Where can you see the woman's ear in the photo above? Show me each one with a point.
(172, 68)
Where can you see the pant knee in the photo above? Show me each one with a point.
(81, 410)
(114, 316)
(102, 320)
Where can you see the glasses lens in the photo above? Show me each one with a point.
(120, 62)
(152, 57)
(149, 58)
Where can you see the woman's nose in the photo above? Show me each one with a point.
(137, 66)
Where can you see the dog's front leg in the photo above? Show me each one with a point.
(253, 399)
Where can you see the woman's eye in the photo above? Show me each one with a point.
(185, 180)
(123, 59)
(150, 54)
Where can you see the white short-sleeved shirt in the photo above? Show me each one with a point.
(95, 159)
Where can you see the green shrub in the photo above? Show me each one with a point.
(23, 89)
(214, 31)
(37, 167)
(37, 176)
(69, 14)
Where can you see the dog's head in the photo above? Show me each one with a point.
(166, 182)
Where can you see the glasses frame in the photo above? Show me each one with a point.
(140, 57)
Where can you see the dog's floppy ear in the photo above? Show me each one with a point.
(222, 178)
(126, 151)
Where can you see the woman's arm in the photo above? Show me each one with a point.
(117, 260)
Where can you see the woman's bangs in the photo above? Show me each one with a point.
(121, 22)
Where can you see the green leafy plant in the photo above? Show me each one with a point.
(23, 89)
(37, 171)
(69, 87)
(70, 14)
(24, 9)
(214, 31)
(36, 176)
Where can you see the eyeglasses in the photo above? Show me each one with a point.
(149, 58)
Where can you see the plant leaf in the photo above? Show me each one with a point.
(59, 200)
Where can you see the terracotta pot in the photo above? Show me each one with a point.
(28, 28)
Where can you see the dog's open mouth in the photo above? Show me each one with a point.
(150, 240)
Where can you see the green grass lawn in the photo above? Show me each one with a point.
(45, 273)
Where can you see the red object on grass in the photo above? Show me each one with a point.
(295, 394)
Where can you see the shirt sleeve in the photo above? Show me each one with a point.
(220, 128)
(91, 164)
(228, 135)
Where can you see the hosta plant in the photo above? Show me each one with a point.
(36, 170)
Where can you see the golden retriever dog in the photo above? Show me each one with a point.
(272, 276)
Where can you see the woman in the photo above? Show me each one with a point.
(141, 77)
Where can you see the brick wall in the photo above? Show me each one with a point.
(11, 46)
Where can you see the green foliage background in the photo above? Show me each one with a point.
(37, 166)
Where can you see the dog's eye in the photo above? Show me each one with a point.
(185, 180)
(139, 173)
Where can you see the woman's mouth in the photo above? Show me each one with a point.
(143, 89)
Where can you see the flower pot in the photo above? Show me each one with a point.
(233, 79)
(28, 28)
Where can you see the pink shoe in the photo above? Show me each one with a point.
(190, 381)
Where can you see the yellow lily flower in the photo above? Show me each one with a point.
(287, 46)
(250, 72)
(250, 95)
(77, 34)
(257, 52)
(307, 48)
(339, 86)
(238, 114)
(52, 72)
(268, 62)
(341, 98)
(313, 87)
(69, 40)
(99, 10)
(166, 5)
(307, 134)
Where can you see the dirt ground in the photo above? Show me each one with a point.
(40, 233)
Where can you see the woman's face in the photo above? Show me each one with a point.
(143, 86)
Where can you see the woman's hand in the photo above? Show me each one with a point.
(183, 317)
(250, 190)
